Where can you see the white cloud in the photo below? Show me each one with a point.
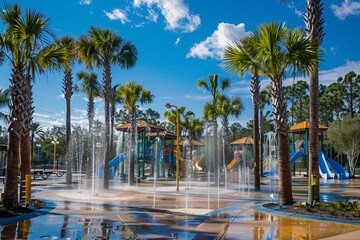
(214, 45)
(177, 41)
(85, 2)
(41, 115)
(347, 8)
(291, 5)
(117, 14)
(240, 90)
(61, 96)
(153, 16)
(329, 76)
(326, 77)
(197, 97)
(176, 13)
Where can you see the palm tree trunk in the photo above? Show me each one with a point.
(68, 92)
(25, 163)
(279, 111)
(106, 91)
(68, 139)
(261, 143)
(18, 113)
(132, 147)
(314, 191)
(255, 89)
(90, 158)
(225, 123)
(314, 29)
(112, 119)
(25, 167)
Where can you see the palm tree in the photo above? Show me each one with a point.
(104, 48)
(264, 99)
(26, 44)
(91, 87)
(69, 44)
(171, 117)
(213, 86)
(192, 125)
(36, 131)
(314, 30)
(241, 58)
(115, 99)
(278, 49)
(228, 107)
(131, 94)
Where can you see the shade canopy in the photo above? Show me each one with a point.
(304, 126)
(141, 126)
(196, 143)
(245, 140)
(168, 135)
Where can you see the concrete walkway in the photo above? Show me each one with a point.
(194, 213)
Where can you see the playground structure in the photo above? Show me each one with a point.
(154, 145)
(241, 147)
(328, 168)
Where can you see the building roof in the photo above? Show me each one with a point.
(304, 126)
(245, 140)
(141, 126)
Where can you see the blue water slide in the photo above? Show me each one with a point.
(113, 165)
(338, 169)
(293, 157)
(296, 155)
(324, 167)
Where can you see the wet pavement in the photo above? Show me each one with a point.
(196, 213)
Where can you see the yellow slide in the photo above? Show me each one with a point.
(238, 157)
(197, 160)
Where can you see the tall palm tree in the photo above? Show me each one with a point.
(278, 49)
(213, 86)
(69, 44)
(104, 48)
(264, 99)
(26, 44)
(315, 31)
(228, 107)
(91, 87)
(241, 58)
(36, 131)
(115, 99)
(132, 94)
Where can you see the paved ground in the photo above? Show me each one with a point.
(196, 212)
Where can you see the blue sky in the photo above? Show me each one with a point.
(180, 41)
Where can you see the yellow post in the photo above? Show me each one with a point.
(177, 143)
(177, 148)
(27, 188)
